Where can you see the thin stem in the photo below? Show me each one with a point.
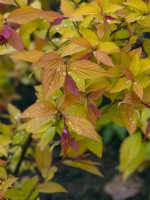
(77, 28)
(24, 150)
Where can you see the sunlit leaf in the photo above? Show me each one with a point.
(82, 127)
(71, 49)
(108, 47)
(24, 15)
(121, 84)
(128, 116)
(138, 4)
(86, 69)
(39, 109)
(104, 58)
(80, 42)
(95, 147)
(134, 66)
(29, 56)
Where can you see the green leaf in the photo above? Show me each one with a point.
(138, 4)
(29, 185)
(47, 137)
(14, 194)
(95, 147)
(50, 187)
(22, 3)
(132, 154)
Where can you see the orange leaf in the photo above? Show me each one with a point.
(39, 109)
(128, 116)
(131, 98)
(103, 57)
(24, 15)
(86, 69)
(81, 126)
(51, 15)
(128, 73)
(80, 42)
(2, 162)
(29, 56)
(52, 80)
(137, 88)
(49, 60)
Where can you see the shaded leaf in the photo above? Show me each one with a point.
(95, 147)
(84, 166)
(71, 86)
(50, 187)
(128, 116)
(147, 129)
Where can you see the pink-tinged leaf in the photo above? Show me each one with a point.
(15, 40)
(6, 32)
(97, 94)
(2, 40)
(71, 86)
(57, 21)
(67, 141)
(128, 73)
(104, 58)
(128, 116)
(147, 130)
(39, 109)
(51, 16)
(85, 57)
(49, 60)
(93, 112)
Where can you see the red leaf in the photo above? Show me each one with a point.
(109, 17)
(71, 86)
(85, 57)
(6, 32)
(15, 40)
(147, 130)
(94, 109)
(57, 21)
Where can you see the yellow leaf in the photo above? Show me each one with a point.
(103, 57)
(84, 166)
(50, 187)
(29, 56)
(85, 69)
(80, 42)
(22, 3)
(95, 147)
(145, 64)
(135, 66)
(108, 47)
(39, 109)
(24, 15)
(67, 8)
(82, 126)
(52, 80)
(128, 116)
(138, 4)
(111, 8)
(137, 88)
(100, 3)
(90, 36)
(9, 2)
(71, 49)
(87, 9)
(49, 60)
(8, 183)
(120, 85)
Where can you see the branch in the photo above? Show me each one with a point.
(24, 150)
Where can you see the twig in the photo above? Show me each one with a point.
(24, 150)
